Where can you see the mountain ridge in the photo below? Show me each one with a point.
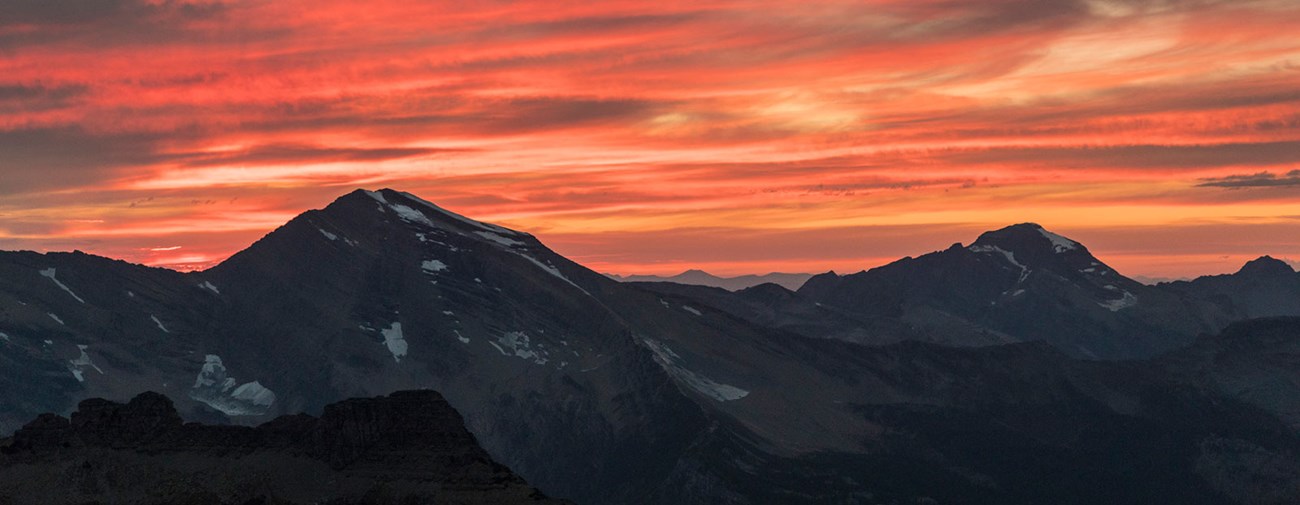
(606, 392)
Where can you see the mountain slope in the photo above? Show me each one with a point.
(404, 294)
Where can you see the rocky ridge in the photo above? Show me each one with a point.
(409, 445)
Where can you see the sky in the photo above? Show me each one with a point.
(652, 137)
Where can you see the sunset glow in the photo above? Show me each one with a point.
(652, 137)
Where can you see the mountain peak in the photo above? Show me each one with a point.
(696, 274)
(1266, 266)
(1026, 237)
(413, 209)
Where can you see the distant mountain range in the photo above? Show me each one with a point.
(702, 278)
(1018, 369)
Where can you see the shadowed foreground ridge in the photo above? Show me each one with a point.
(407, 447)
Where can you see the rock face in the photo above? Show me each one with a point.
(407, 447)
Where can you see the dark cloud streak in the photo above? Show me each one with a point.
(1257, 180)
(296, 153)
(1136, 156)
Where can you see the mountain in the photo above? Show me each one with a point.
(702, 278)
(1262, 287)
(1022, 283)
(590, 389)
(1017, 284)
(607, 392)
(407, 447)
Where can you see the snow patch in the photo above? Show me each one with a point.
(78, 366)
(208, 286)
(219, 391)
(460, 337)
(1011, 258)
(425, 238)
(673, 364)
(493, 237)
(159, 323)
(1128, 300)
(517, 344)
(410, 215)
(55, 318)
(378, 196)
(551, 270)
(4, 336)
(395, 341)
(255, 393)
(48, 273)
(328, 235)
(477, 224)
(432, 266)
(692, 310)
(1059, 244)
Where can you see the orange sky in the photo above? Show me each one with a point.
(650, 137)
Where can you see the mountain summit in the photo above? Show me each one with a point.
(1027, 238)
(1266, 266)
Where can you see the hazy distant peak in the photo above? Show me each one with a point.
(699, 277)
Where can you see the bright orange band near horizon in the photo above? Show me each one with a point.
(651, 137)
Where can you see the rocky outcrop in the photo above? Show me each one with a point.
(407, 447)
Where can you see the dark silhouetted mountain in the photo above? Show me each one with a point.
(1263, 287)
(608, 392)
(407, 447)
(702, 278)
(1017, 284)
